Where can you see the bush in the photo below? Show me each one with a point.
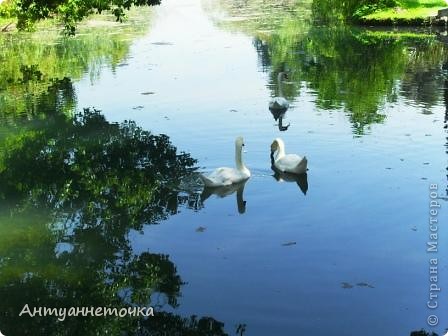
(330, 10)
(7, 9)
(371, 6)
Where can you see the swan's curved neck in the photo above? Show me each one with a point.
(280, 150)
(279, 82)
(239, 157)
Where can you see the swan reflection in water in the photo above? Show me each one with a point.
(300, 179)
(279, 115)
(227, 191)
(279, 105)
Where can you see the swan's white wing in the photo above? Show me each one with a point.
(289, 160)
(223, 176)
(223, 173)
(290, 163)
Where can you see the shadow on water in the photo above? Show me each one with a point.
(423, 333)
(279, 116)
(227, 191)
(72, 190)
(301, 179)
(278, 105)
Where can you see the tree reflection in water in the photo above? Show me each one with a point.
(71, 191)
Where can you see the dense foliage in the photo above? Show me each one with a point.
(348, 10)
(70, 12)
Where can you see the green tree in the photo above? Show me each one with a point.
(329, 11)
(70, 12)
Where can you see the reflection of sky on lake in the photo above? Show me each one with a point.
(363, 219)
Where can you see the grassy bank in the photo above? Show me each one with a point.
(408, 12)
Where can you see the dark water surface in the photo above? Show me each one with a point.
(343, 252)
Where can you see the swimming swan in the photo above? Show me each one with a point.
(287, 163)
(279, 104)
(227, 176)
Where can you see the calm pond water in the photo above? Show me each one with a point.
(341, 251)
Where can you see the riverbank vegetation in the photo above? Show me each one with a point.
(26, 13)
(377, 12)
(405, 12)
(68, 12)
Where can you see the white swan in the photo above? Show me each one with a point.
(279, 104)
(287, 163)
(226, 176)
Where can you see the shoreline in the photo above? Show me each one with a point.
(424, 14)
(431, 21)
(100, 21)
(377, 19)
